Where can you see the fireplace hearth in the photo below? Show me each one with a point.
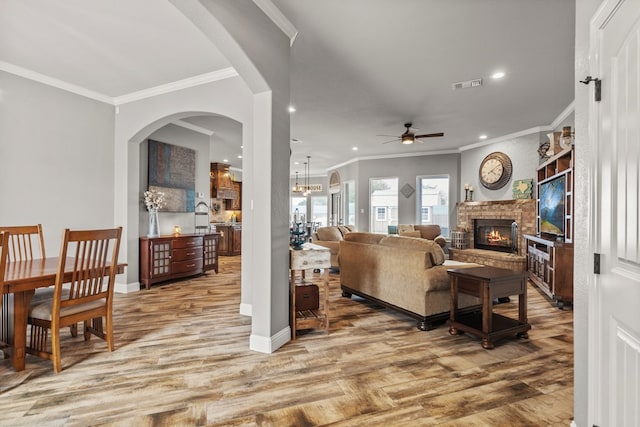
(496, 235)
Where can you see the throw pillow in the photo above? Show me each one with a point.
(329, 234)
(344, 229)
(405, 227)
(437, 254)
(363, 237)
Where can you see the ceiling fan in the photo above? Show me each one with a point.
(409, 136)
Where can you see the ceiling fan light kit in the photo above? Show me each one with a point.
(409, 137)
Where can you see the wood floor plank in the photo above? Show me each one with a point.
(182, 358)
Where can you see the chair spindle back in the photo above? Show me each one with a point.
(22, 242)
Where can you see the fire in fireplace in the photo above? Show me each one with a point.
(495, 234)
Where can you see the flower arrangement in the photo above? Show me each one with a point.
(154, 199)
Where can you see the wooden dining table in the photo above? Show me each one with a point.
(22, 278)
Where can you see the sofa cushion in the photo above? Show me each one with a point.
(363, 237)
(411, 243)
(330, 234)
(345, 229)
(435, 252)
(430, 231)
(410, 234)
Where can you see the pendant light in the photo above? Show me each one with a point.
(297, 188)
(307, 168)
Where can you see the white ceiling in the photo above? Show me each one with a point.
(360, 68)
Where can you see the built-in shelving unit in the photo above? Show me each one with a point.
(549, 257)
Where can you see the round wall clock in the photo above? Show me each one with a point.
(495, 171)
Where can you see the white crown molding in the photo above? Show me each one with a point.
(565, 113)
(213, 76)
(278, 18)
(392, 156)
(53, 82)
(514, 135)
(193, 127)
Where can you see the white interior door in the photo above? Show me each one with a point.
(614, 330)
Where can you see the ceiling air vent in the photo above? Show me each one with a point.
(467, 84)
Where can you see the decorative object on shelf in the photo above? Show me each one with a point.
(554, 143)
(154, 200)
(523, 189)
(177, 230)
(495, 171)
(566, 140)
(468, 188)
(543, 149)
(201, 220)
(297, 231)
(471, 193)
(407, 190)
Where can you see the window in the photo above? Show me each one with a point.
(433, 201)
(319, 210)
(383, 194)
(350, 205)
(425, 215)
(299, 203)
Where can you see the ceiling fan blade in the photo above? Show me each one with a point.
(390, 136)
(393, 140)
(429, 135)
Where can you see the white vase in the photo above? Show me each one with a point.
(154, 225)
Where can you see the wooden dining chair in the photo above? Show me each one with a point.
(26, 242)
(4, 324)
(22, 240)
(91, 258)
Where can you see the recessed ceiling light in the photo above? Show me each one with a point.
(240, 156)
(483, 136)
(242, 146)
(296, 140)
(296, 163)
(498, 75)
(225, 160)
(292, 109)
(354, 148)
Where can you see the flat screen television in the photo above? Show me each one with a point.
(552, 208)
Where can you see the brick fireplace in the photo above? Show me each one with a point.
(522, 212)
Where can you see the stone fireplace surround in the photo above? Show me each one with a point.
(522, 211)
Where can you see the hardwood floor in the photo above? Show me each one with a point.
(182, 358)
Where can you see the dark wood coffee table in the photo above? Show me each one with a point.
(488, 283)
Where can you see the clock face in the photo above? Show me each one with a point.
(495, 171)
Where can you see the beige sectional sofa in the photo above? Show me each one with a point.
(408, 274)
(330, 237)
(429, 232)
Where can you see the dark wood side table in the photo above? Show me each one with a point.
(488, 283)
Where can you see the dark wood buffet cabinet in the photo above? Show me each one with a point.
(230, 239)
(175, 256)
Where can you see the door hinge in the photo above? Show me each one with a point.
(596, 263)
(597, 93)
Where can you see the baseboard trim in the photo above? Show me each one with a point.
(270, 344)
(126, 288)
(246, 309)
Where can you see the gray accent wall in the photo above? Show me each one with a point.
(57, 159)
(406, 169)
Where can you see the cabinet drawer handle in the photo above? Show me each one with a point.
(191, 253)
(191, 265)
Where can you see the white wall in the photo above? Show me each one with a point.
(57, 159)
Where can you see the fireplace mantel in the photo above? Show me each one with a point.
(523, 211)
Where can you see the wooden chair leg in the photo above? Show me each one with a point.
(55, 350)
(73, 329)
